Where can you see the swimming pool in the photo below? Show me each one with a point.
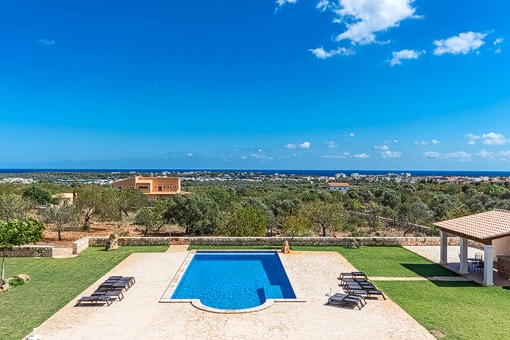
(234, 280)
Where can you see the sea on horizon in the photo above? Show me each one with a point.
(328, 173)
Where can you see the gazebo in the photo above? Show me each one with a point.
(491, 228)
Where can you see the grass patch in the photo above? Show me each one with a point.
(453, 310)
(53, 283)
(392, 262)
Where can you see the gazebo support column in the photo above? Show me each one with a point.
(463, 256)
(443, 248)
(488, 256)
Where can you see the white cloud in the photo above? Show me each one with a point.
(382, 147)
(46, 42)
(498, 41)
(498, 50)
(361, 155)
(492, 138)
(363, 18)
(258, 156)
(485, 154)
(421, 142)
(321, 53)
(331, 145)
(504, 155)
(395, 141)
(344, 155)
(472, 138)
(459, 154)
(351, 134)
(322, 5)
(391, 154)
(280, 3)
(460, 44)
(190, 155)
(305, 145)
(431, 154)
(404, 54)
(435, 141)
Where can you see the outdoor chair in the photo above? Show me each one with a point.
(95, 299)
(115, 285)
(352, 275)
(115, 293)
(347, 300)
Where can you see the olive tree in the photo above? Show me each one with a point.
(38, 194)
(62, 217)
(198, 214)
(16, 233)
(14, 206)
(324, 215)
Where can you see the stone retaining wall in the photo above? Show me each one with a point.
(85, 242)
(320, 241)
(130, 241)
(80, 245)
(30, 251)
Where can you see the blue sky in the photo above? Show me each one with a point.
(255, 84)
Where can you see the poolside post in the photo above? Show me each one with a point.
(443, 248)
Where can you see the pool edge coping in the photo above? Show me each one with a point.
(166, 297)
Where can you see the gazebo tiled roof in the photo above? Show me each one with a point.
(483, 227)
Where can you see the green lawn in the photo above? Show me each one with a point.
(53, 283)
(392, 261)
(453, 310)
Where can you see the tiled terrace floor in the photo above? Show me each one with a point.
(140, 316)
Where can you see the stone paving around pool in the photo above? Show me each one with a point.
(140, 316)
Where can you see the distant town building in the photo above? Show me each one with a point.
(153, 187)
(340, 175)
(342, 187)
(355, 175)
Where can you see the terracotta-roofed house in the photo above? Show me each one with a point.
(153, 187)
(492, 229)
(342, 187)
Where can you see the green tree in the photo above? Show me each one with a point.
(90, 203)
(62, 217)
(130, 199)
(409, 214)
(37, 194)
(324, 215)
(297, 225)
(16, 233)
(14, 206)
(198, 214)
(244, 221)
(149, 219)
(373, 210)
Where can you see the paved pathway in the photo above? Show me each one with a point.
(420, 278)
(140, 316)
(61, 253)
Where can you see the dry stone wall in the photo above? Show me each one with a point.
(30, 251)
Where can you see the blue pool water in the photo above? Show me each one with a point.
(234, 280)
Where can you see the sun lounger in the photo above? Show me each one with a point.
(95, 299)
(352, 275)
(115, 285)
(116, 293)
(347, 300)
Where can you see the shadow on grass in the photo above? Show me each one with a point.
(457, 284)
(428, 269)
